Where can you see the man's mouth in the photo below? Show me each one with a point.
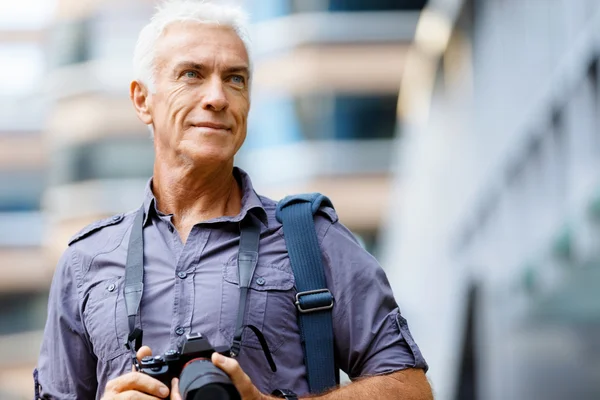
(211, 125)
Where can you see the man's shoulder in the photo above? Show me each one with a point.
(326, 215)
(101, 228)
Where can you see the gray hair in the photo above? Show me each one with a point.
(172, 11)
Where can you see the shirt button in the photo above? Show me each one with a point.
(181, 275)
(260, 281)
(111, 287)
(179, 331)
(116, 218)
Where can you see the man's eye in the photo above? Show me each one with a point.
(238, 80)
(190, 74)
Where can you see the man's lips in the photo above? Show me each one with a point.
(211, 125)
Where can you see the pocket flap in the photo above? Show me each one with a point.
(266, 277)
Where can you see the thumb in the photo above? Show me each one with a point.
(144, 351)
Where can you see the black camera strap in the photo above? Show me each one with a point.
(247, 259)
(134, 280)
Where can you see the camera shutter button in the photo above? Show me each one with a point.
(171, 355)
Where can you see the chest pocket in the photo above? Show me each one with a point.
(270, 306)
(104, 317)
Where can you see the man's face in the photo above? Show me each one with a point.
(201, 103)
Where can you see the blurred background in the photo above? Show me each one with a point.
(459, 139)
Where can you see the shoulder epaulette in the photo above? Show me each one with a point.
(96, 226)
(330, 213)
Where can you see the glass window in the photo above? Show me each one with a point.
(21, 312)
(300, 6)
(69, 43)
(364, 116)
(376, 5)
(261, 10)
(315, 113)
(321, 117)
(272, 122)
(25, 191)
(112, 158)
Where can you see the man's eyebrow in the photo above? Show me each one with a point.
(244, 69)
(189, 65)
(237, 69)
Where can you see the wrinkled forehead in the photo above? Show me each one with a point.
(203, 43)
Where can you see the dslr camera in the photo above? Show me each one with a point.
(198, 377)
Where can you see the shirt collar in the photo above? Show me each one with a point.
(250, 201)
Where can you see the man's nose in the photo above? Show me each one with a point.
(214, 97)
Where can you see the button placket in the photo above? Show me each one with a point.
(184, 281)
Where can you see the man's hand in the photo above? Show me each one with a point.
(136, 385)
(239, 378)
(401, 385)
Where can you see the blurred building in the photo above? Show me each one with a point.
(324, 118)
(24, 272)
(458, 138)
(495, 252)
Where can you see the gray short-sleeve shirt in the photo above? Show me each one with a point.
(193, 287)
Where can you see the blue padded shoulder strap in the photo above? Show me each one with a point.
(313, 300)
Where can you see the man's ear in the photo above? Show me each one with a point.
(140, 97)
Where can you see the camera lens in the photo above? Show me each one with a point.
(202, 380)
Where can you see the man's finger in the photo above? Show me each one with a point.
(238, 377)
(144, 351)
(139, 382)
(175, 394)
(132, 394)
(141, 353)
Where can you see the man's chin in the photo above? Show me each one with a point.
(203, 158)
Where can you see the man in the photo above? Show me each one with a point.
(192, 88)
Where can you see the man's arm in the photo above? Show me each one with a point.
(372, 338)
(408, 384)
(66, 365)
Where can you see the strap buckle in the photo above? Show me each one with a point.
(318, 303)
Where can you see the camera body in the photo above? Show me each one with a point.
(171, 364)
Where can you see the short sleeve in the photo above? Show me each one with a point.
(371, 336)
(66, 366)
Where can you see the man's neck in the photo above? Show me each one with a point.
(194, 195)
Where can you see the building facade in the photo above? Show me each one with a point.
(24, 270)
(324, 118)
(495, 251)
